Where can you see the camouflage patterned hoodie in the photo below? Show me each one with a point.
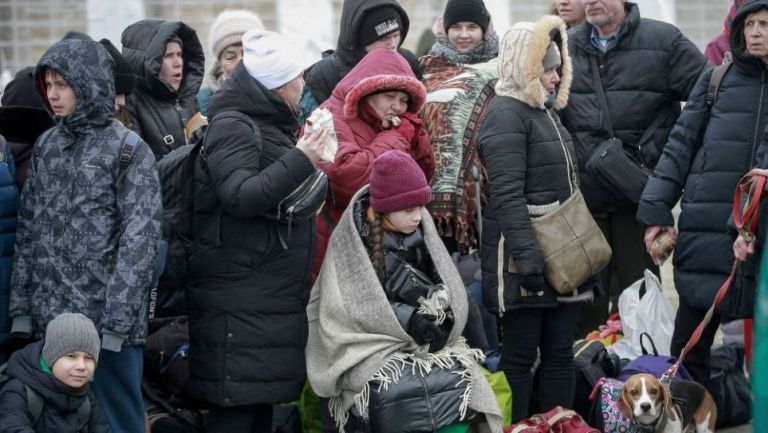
(88, 228)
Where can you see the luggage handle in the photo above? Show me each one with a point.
(653, 345)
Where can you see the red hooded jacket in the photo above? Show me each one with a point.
(361, 137)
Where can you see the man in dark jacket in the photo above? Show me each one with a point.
(169, 64)
(709, 149)
(647, 68)
(364, 26)
(89, 222)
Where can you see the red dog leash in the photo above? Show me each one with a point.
(746, 218)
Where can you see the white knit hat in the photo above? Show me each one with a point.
(271, 58)
(229, 27)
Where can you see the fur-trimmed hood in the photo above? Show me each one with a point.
(381, 69)
(520, 62)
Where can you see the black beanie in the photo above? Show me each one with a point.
(21, 92)
(124, 79)
(377, 23)
(466, 10)
(23, 116)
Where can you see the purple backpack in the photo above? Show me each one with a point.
(652, 364)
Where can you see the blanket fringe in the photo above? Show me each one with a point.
(338, 412)
(391, 372)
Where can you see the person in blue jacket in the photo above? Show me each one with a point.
(9, 200)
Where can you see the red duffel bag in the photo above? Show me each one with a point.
(557, 420)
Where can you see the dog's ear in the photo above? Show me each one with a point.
(625, 402)
(666, 398)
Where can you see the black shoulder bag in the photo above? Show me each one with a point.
(610, 163)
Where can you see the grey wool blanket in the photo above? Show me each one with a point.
(354, 336)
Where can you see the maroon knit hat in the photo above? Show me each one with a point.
(397, 183)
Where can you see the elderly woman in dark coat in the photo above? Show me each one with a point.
(246, 291)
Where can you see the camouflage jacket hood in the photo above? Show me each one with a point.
(88, 224)
(88, 68)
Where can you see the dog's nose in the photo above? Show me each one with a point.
(646, 407)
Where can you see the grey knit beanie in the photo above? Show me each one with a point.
(70, 332)
(552, 59)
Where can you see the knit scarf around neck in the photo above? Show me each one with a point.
(484, 51)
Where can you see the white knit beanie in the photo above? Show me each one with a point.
(229, 27)
(270, 58)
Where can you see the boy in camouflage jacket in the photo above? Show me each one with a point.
(88, 224)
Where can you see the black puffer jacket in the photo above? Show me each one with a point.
(246, 295)
(324, 75)
(709, 150)
(528, 156)
(648, 73)
(59, 406)
(158, 113)
(409, 275)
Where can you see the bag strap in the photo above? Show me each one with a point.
(597, 83)
(714, 82)
(34, 404)
(84, 414)
(560, 416)
(650, 340)
(746, 218)
(127, 149)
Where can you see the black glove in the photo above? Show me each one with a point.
(423, 329)
(533, 282)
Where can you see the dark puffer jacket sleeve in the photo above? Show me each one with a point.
(685, 62)
(665, 185)
(14, 417)
(140, 205)
(502, 146)
(233, 159)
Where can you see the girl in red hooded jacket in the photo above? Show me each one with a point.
(375, 109)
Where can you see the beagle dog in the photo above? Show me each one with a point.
(651, 409)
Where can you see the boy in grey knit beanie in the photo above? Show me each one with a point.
(48, 386)
(71, 336)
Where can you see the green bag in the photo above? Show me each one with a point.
(309, 410)
(462, 427)
(503, 393)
